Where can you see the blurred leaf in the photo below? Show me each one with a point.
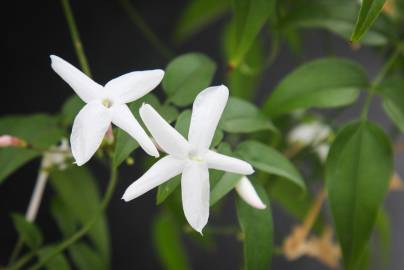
(167, 241)
(125, 144)
(267, 159)
(393, 101)
(64, 218)
(85, 258)
(39, 130)
(333, 15)
(383, 229)
(369, 11)
(358, 171)
(198, 14)
(323, 83)
(79, 194)
(241, 116)
(226, 183)
(70, 109)
(186, 76)
(28, 231)
(250, 16)
(58, 262)
(256, 226)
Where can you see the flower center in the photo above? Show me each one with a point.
(106, 103)
(194, 156)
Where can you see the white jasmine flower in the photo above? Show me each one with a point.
(191, 158)
(247, 192)
(322, 151)
(308, 134)
(57, 156)
(106, 104)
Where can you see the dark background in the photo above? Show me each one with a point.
(115, 46)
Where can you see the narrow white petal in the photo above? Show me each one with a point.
(169, 139)
(247, 192)
(229, 164)
(89, 129)
(206, 112)
(163, 170)
(195, 194)
(123, 118)
(133, 85)
(84, 87)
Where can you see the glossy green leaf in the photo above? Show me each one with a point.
(383, 230)
(85, 258)
(241, 116)
(358, 171)
(39, 130)
(186, 76)
(250, 17)
(70, 109)
(198, 14)
(337, 16)
(167, 241)
(267, 159)
(323, 83)
(58, 262)
(165, 189)
(78, 193)
(256, 226)
(226, 183)
(369, 11)
(28, 231)
(393, 101)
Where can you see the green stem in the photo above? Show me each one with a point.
(16, 251)
(21, 262)
(74, 33)
(147, 32)
(83, 231)
(379, 78)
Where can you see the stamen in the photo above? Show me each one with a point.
(107, 103)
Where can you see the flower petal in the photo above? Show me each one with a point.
(133, 85)
(163, 170)
(89, 128)
(169, 139)
(206, 112)
(247, 192)
(123, 118)
(84, 87)
(195, 194)
(229, 164)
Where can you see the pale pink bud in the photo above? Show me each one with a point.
(10, 141)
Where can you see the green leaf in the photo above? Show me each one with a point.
(86, 258)
(186, 76)
(370, 10)
(336, 16)
(78, 193)
(393, 101)
(256, 226)
(28, 231)
(167, 240)
(125, 144)
(226, 183)
(58, 262)
(358, 171)
(323, 83)
(198, 14)
(70, 109)
(39, 130)
(165, 189)
(241, 116)
(383, 229)
(267, 159)
(250, 17)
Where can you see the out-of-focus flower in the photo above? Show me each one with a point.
(308, 134)
(11, 141)
(247, 192)
(322, 151)
(106, 104)
(396, 183)
(190, 158)
(57, 156)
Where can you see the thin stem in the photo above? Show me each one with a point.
(21, 262)
(379, 78)
(83, 231)
(74, 33)
(145, 29)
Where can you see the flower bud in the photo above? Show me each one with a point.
(11, 141)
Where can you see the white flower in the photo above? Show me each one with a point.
(106, 104)
(247, 192)
(309, 134)
(192, 158)
(57, 156)
(322, 151)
